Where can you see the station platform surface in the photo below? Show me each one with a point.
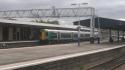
(122, 67)
(16, 55)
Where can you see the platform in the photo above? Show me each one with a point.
(16, 55)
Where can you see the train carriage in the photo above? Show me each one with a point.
(54, 36)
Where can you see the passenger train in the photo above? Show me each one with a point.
(54, 36)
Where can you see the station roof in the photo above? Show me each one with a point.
(105, 23)
(38, 25)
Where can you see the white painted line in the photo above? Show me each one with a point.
(52, 59)
(19, 41)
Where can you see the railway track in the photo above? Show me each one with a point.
(110, 65)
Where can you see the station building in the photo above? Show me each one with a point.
(13, 30)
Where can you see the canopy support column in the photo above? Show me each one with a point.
(123, 36)
(110, 36)
(118, 36)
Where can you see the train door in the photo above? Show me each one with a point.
(43, 35)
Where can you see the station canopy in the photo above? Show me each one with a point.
(105, 23)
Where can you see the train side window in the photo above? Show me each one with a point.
(75, 35)
(87, 35)
(54, 35)
(82, 35)
(65, 35)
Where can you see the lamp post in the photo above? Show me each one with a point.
(92, 25)
(79, 6)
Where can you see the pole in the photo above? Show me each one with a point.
(54, 11)
(110, 36)
(79, 29)
(79, 34)
(79, 5)
(123, 36)
(99, 31)
(92, 27)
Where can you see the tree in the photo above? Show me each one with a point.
(47, 22)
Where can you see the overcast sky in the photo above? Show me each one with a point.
(105, 8)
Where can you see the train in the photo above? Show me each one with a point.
(51, 36)
(59, 36)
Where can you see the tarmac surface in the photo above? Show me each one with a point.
(16, 55)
